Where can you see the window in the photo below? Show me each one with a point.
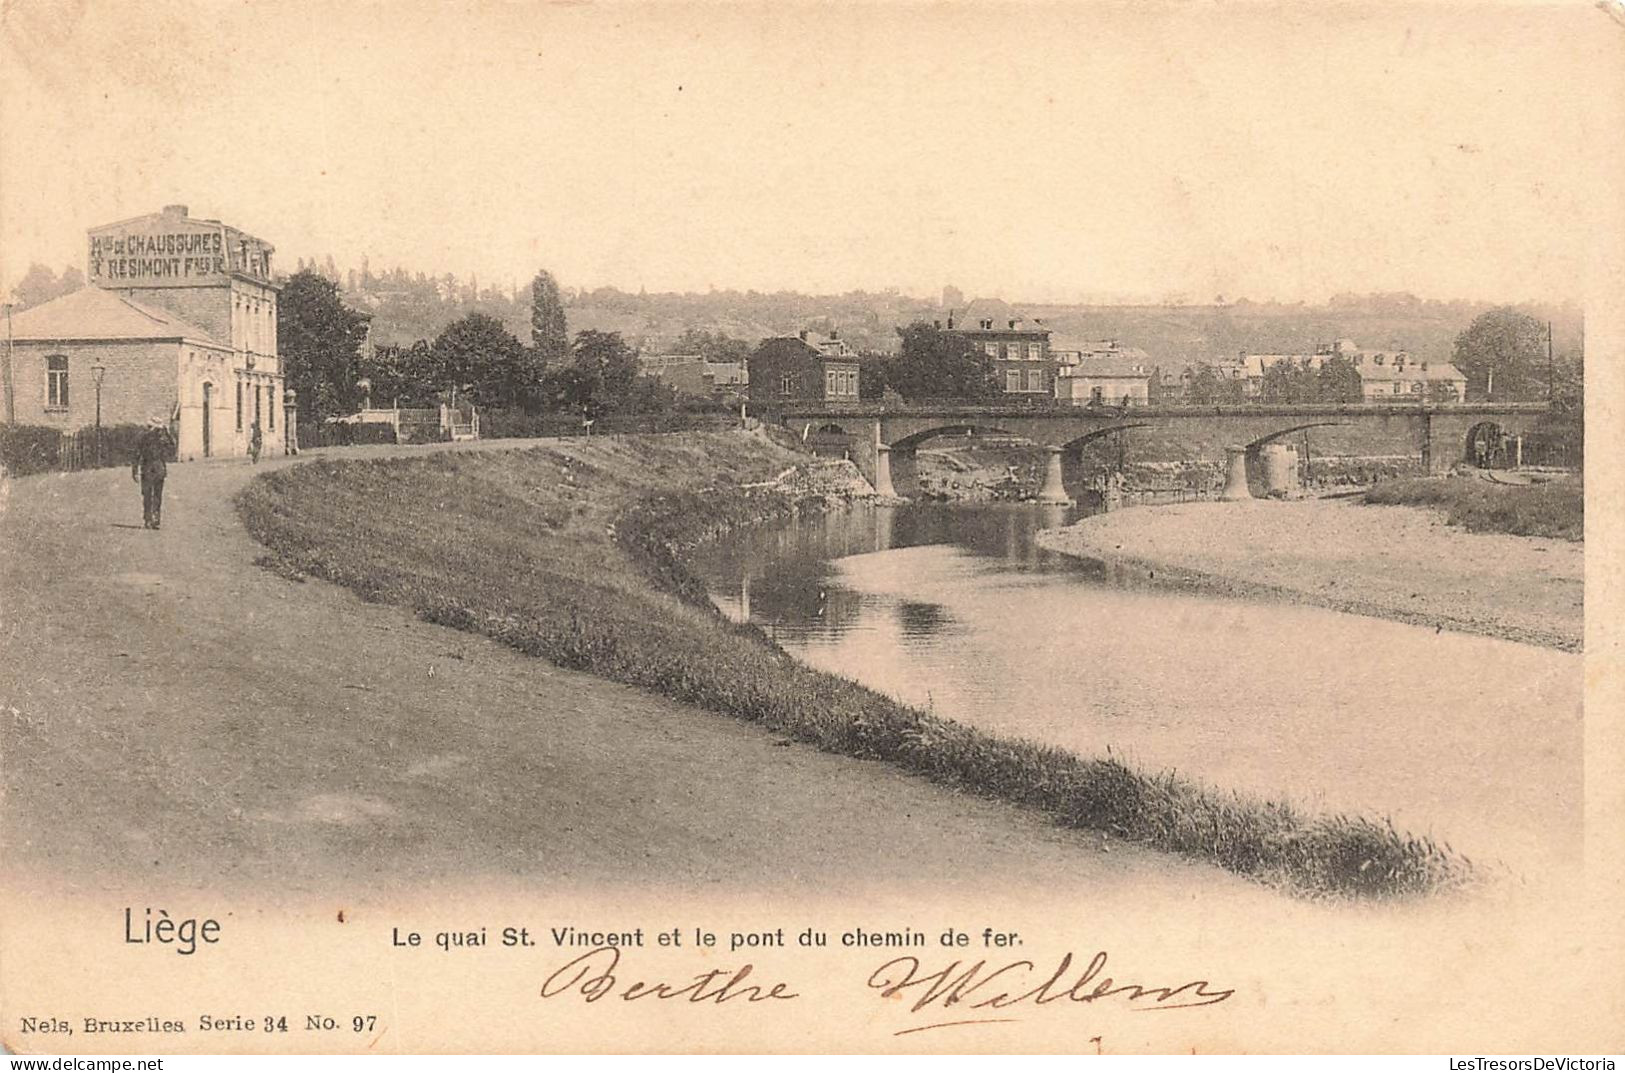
(1035, 380)
(1012, 380)
(1034, 351)
(831, 383)
(257, 398)
(1097, 394)
(787, 384)
(270, 412)
(992, 349)
(239, 405)
(56, 382)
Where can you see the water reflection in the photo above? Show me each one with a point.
(955, 608)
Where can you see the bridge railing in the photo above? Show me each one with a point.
(1056, 408)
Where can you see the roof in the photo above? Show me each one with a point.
(1411, 370)
(1095, 349)
(95, 313)
(170, 215)
(1130, 363)
(999, 312)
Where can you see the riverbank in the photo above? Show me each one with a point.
(1401, 563)
(577, 555)
(176, 721)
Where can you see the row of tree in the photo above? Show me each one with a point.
(322, 344)
(1504, 354)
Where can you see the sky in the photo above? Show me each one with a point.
(1036, 152)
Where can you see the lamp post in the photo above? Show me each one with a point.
(97, 372)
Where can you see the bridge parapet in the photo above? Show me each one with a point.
(1431, 437)
(949, 408)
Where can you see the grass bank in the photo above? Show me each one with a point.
(1554, 508)
(575, 553)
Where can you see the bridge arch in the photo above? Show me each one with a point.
(833, 428)
(915, 439)
(1077, 442)
(1273, 436)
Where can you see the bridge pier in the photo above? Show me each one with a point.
(1235, 473)
(1054, 490)
(882, 482)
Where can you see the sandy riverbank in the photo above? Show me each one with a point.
(1401, 563)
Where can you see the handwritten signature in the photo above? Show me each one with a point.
(979, 987)
(975, 986)
(592, 976)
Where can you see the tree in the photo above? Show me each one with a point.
(548, 334)
(941, 365)
(39, 285)
(1503, 356)
(1337, 380)
(1287, 381)
(1207, 385)
(319, 340)
(605, 371)
(477, 355)
(874, 376)
(712, 346)
(409, 376)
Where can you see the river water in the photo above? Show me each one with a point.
(1473, 741)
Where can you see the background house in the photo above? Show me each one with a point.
(1102, 373)
(1020, 349)
(792, 368)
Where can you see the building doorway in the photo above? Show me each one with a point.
(208, 431)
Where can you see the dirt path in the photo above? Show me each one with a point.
(1400, 563)
(169, 709)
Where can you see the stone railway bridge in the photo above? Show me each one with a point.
(882, 438)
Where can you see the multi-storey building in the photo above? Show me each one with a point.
(178, 323)
(1020, 351)
(799, 368)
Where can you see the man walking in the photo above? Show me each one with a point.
(150, 467)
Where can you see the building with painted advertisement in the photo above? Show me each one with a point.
(178, 323)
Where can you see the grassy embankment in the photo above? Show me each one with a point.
(575, 553)
(1553, 508)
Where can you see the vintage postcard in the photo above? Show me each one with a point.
(954, 527)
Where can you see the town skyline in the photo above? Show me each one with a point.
(1096, 154)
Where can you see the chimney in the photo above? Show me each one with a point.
(1012, 325)
(802, 335)
(174, 210)
(834, 333)
(938, 324)
(950, 321)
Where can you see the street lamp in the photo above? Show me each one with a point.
(97, 372)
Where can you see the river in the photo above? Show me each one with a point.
(1474, 741)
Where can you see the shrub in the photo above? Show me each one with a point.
(374, 432)
(1549, 509)
(26, 449)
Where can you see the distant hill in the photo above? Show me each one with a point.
(409, 307)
